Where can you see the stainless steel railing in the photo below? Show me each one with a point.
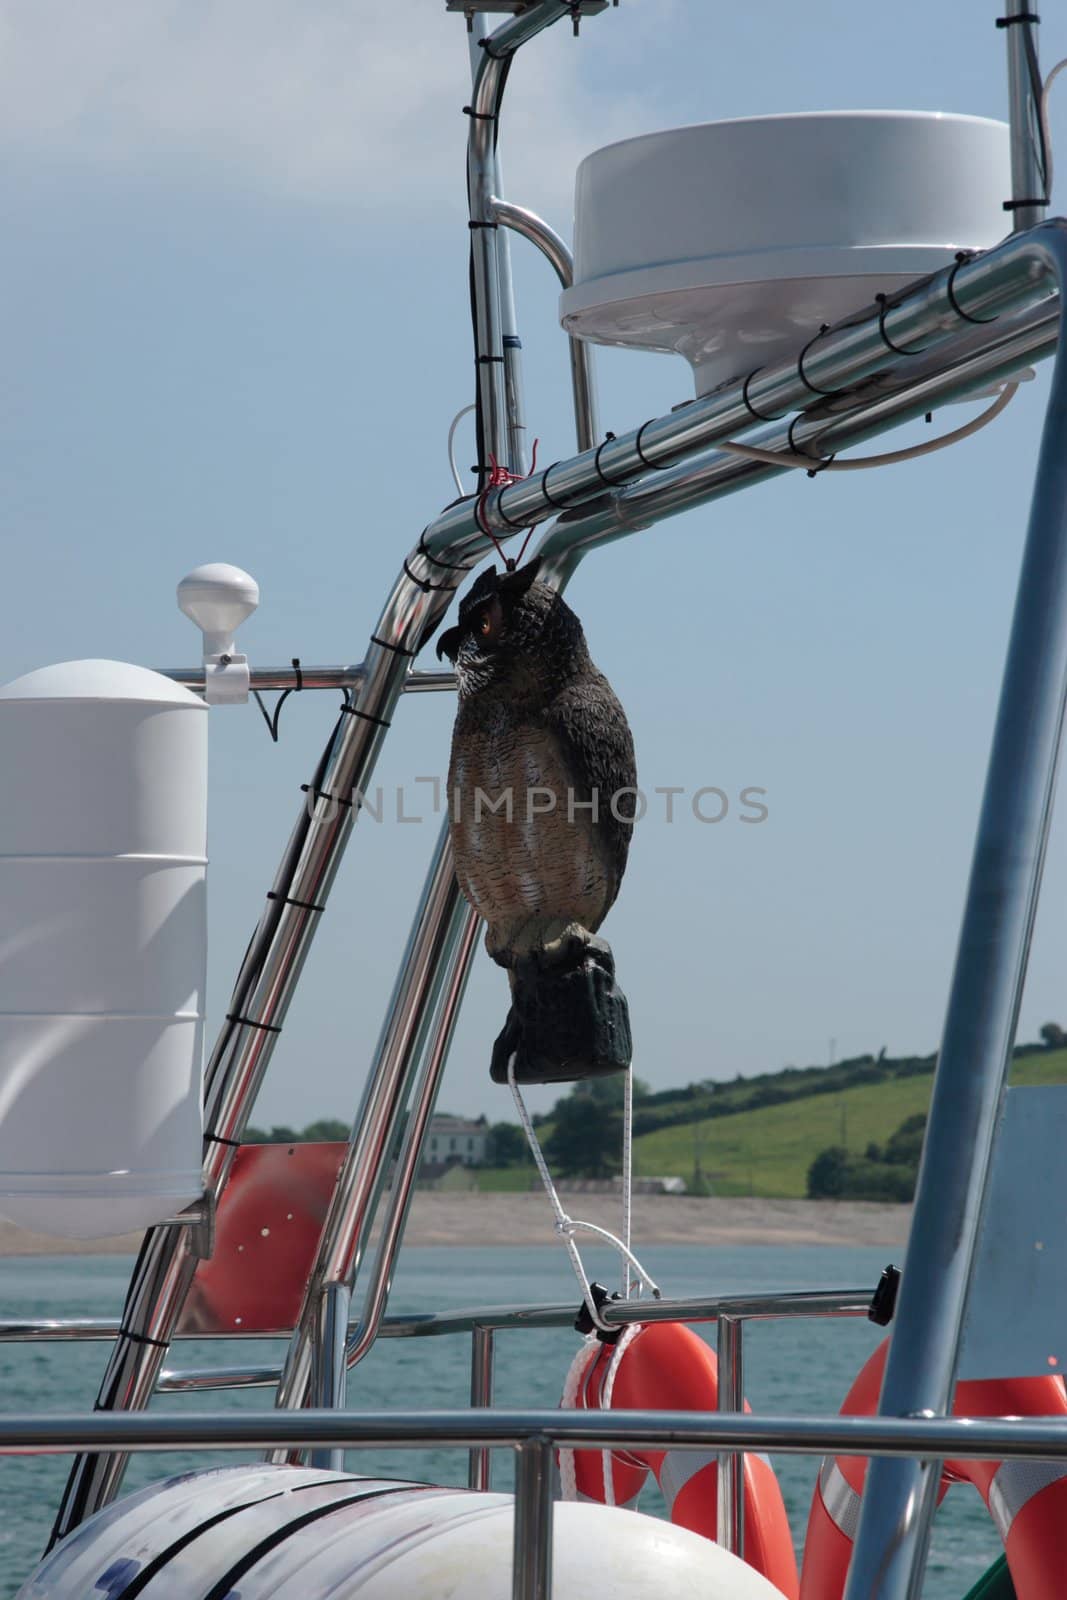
(729, 1312)
(534, 1436)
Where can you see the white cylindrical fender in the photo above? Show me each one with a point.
(293, 1533)
(103, 947)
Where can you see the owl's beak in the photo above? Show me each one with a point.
(448, 644)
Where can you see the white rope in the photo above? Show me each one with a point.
(581, 1366)
(568, 1480)
(607, 1389)
(789, 458)
(627, 1175)
(567, 1226)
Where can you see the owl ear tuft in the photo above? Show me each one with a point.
(515, 584)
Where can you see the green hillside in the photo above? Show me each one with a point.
(768, 1151)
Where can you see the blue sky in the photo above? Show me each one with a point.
(236, 328)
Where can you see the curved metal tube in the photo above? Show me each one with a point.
(556, 252)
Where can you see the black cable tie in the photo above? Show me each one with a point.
(424, 583)
(322, 794)
(653, 466)
(961, 260)
(299, 674)
(610, 483)
(287, 899)
(141, 1338)
(398, 648)
(473, 225)
(760, 416)
(1023, 16)
(217, 1138)
(898, 349)
(502, 514)
(817, 462)
(511, 341)
(247, 1022)
(827, 394)
(558, 505)
(1017, 205)
(480, 116)
(368, 716)
(449, 566)
(484, 361)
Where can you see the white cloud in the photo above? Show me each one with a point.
(312, 100)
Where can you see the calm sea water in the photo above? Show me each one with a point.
(795, 1367)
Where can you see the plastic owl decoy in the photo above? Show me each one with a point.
(542, 791)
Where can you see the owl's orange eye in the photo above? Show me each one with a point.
(485, 624)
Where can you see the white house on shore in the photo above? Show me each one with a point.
(453, 1140)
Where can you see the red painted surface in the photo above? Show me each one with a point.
(266, 1234)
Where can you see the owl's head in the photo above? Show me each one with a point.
(513, 630)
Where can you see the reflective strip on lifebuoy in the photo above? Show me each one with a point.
(679, 1467)
(1014, 1484)
(1026, 1499)
(840, 1499)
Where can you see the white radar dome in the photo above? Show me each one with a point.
(731, 243)
(218, 598)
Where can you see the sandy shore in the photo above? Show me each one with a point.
(524, 1219)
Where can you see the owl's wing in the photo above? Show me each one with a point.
(597, 749)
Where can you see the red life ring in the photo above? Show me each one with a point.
(1026, 1499)
(667, 1367)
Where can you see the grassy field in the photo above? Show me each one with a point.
(768, 1152)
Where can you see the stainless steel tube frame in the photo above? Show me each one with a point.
(583, 378)
(531, 1561)
(328, 1376)
(351, 1215)
(769, 1308)
(933, 1438)
(432, 949)
(855, 355)
(488, 261)
(460, 940)
(1029, 195)
(730, 1511)
(311, 678)
(983, 1009)
(430, 1324)
(265, 984)
(1008, 279)
(480, 1469)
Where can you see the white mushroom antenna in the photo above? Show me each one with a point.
(218, 598)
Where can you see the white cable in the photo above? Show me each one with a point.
(451, 451)
(567, 1226)
(1046, 137)
(788, 458)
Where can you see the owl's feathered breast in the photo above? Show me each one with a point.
(527, 843)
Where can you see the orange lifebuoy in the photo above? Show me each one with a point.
(667, 1367)
(1026, 1499)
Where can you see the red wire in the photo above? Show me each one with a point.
(500, 478)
